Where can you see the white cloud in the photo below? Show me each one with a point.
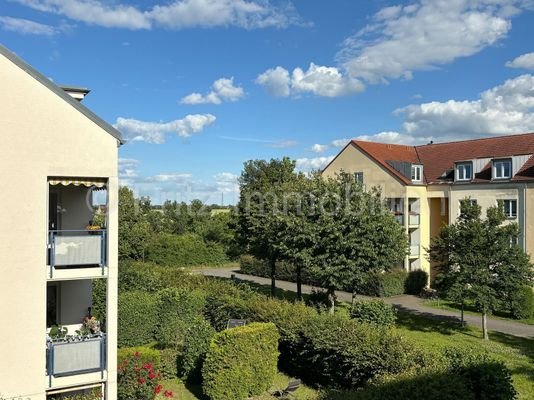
(276, 81)
(319, 148)
(128, 167)
(177, 14)
(222, 90)
(394, 138)
(27, 27)
(227, 182)
(309, 164)
(340, 142)
(317, 80)
(504, 109)
(156, 132)
(424, 35)
(525, 61)
(173, 177)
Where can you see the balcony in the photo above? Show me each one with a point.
(414, 250)
(414, 219)
(76, 248)
(75, 356)
(399, 218)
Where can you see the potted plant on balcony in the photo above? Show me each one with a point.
(93, 228)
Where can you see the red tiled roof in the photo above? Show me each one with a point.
(440, 158)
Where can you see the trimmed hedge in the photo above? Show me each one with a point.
(391, 283)
(197, 341)
(137, 318)
(522, 303)
(284, 271)
(241, 362)
(139, 276)
(184, 250)
(373, 312)
(416, 282)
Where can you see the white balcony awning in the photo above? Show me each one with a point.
(87, 182)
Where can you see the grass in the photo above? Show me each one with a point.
(194, 392)
(451, 306)
(517, 353)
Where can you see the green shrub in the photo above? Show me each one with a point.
(169, 362)
(98, 309)
(197, 340)
(484, 377)
(137, 373)
(139, 276)
(184, 250)
(284, 270)
(423, 386)
(348, 354)
(222, 307)
(176, 309)
(373, 312)
(137, 318)
(88, 394)
(391, 283)
(241, 362)
(416, 282)
(522, 303)
(318, 299)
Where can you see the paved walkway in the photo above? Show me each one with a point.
(407, 303)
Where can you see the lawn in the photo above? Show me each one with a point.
(451, 306)
(517, 353)
(193, 392)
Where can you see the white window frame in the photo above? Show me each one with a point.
(461, 167)
(499, 167)
(508, 208)
(358, 176)
(417, 173)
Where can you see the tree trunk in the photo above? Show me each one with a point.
(462, 316)
(485, 324)
(299, 283)
(272, 261)
(332, 301)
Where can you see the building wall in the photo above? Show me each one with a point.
(352, 160)
(43, 136)
(423, 232)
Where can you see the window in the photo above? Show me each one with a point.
(417, 173)
(510, 208)
(464, 172)
(502, 169)
(359, 177)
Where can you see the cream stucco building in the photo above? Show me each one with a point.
(424, 185)
(58, 162)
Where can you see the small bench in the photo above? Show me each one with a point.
(289, 390)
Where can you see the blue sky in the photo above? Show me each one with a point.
(197, 87)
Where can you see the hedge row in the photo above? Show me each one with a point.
(241, 362)
(386, 284)
(184, 250)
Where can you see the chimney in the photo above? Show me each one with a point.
(75, 92)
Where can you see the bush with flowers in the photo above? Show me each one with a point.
(138, 374)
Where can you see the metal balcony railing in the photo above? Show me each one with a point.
(77, 248)
(414, 219)
(414, 250)
(75, 356)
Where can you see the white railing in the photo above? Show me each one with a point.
(75, 356)
(414, 219)
(414, 250)
(77, 248)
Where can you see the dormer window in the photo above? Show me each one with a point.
(502, 169)
(417, 173)
(464, 171)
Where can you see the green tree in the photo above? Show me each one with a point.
(261, 191)
(479, 259)
(356, 235)
(134, 230)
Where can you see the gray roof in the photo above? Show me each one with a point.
(61, 93)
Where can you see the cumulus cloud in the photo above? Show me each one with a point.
(317, 80)
(310, 164)
(177, 14)
(27, 27)
(222, 90)
(394, 137)
(340, 142)
(424, 35)
(525, 61)
(319, 148)
(128, 167)
(227, 182)
(504, 109)
(156, 132)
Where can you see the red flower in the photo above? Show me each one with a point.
(151, 375)
(168, 393)
(141, 381)
(136, 354)
(157, 389)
